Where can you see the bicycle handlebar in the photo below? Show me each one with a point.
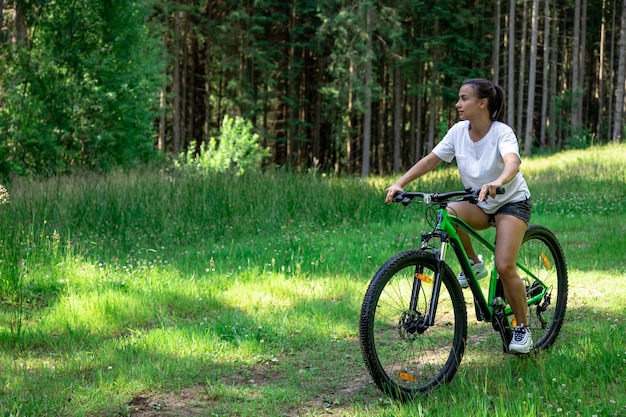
(407, 197)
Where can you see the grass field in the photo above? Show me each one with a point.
(158, 293)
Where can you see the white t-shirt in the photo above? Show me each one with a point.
(482, 162)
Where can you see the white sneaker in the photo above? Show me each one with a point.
(479, 270)
(522, 341)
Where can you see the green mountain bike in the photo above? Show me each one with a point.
(413, 322)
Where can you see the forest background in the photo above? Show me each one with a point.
(345, 86)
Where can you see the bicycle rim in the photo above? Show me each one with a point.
(541, 253)
(404, 356)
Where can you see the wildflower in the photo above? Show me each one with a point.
(4, 195)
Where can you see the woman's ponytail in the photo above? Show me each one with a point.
(497, 108)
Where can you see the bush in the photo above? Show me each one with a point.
(237, 150)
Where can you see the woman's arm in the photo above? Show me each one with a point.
(422, 166)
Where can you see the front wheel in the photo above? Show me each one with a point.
(542, 256)
(404, 355)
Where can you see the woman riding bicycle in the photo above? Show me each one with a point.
(487, 156)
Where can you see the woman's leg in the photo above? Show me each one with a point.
(509, 234)
(475, 217)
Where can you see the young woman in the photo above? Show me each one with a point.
(487, 156)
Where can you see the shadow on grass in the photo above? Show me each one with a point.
(176, 345)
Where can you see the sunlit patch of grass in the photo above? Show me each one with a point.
(596, 175)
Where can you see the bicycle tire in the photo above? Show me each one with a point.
(403, 362)
(542, 254)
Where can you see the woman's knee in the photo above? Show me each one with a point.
(506, 269)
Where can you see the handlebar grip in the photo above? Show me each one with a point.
(500, 190)
(403, 197)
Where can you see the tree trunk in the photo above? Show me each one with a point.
(552, 92)
(162, 139)
(621, 76)
(208, 63)
(176, 90)
(384, 120)
(575, 70)
(292, 90)
(1, 14)
(522, 74)
(161, 144)
(419, 117)
(495, 59)
(350, 153)
(600, 91)
(583, 48)
(432, 114)
(511, 66)
(546, 73)
(397, 117)
(612, 72)
(528, 141)
(19, 20)
(317, 117)
(190, 53)
(432, 95)
(367, 117)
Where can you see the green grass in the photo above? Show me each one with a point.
(157, 293)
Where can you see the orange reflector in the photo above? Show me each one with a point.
(424, 278)
(546, 261)
(406, 376)
(514, 322)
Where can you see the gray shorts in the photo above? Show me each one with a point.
(519, 209)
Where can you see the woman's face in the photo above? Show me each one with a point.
(469, 105)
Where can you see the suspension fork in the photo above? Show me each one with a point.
(439, 255)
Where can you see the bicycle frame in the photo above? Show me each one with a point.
(446, 231)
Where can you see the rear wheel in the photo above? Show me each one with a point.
(404, 355)
(543, 257)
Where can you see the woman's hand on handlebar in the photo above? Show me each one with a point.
(489, 190)
(391, 192)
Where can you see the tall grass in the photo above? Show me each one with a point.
(135, 291)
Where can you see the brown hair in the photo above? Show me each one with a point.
(494, 95)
